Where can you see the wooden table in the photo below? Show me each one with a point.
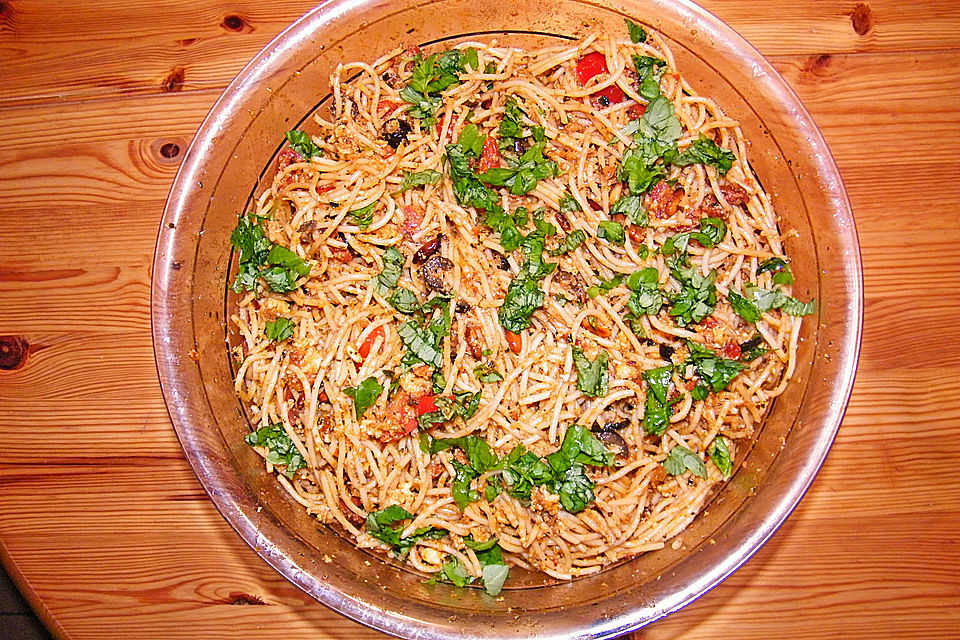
(103, 524)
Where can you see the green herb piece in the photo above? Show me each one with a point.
(706, 151)
(456, 573)
(256, 252)
(657, 408)
(524, 295)
(700, 392)
(463, 404)
(411, 180)
(712, 231)
(506, 225)
(715, 371)
(390, 275)
(766, 300)
(720, 454)
(637, 34)
(431, 76)
(363, 217)
(698, 295)
(779, 268)
(302, 144)
(680, 459)
(280, 448)
(649, 72)
(523, 174)
(471, 140)
(569, 204)
(523, 470)
(278, 330)
(480, 460)
(486, 373)
(605, 285)
(753, 348)
(744, 308)
(632, 207)
(467, 187)
(420, 344)
(570, 481)
(592, 377)
(572, 240)
(365, 395)
(512, 124)
(404, 301)
(494, 575)
(611, 231)
(646, 298)
(379, 526)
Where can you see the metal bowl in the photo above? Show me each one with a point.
(229, 161)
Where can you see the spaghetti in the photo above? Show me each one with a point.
(512, 307)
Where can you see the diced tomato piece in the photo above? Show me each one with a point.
(590, 65)
(490, 157)
(386, 106)
(288, 157)
(411, 220)
(438, 127)
(364, 349)
(513, 341)
(426, 404)
(731, 351)
(613, 95)
(636, 110)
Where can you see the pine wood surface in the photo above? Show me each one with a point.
(107, 531)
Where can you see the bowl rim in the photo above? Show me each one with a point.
(170, 345)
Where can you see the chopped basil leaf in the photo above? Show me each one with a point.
(302, 144)
(523, 470)
(720, 454)
(649, 72)
(494, 575)
(379, 523)
(779, 268)
(646, 298)
(705, 151)
(390, 275)
(403, 300)
(281, 450)
(681, 459)
(632, 207)
(524, 174)
(569, 204)
(363, 217)
(365, 395)
(657, 408)
(573, 240)
(605, 285)
(717, 372)
(257, 251)
(744, 308)
(698, 295)
(411, 180)
(420, 344)
(637, 34)
(700, 392)
(486, 373)
(612, 231)
(766, 300)
(431, 76)
(592, 377)
(278, 330)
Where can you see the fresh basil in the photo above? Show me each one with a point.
(637, 34)
(379, 525)
(593, 378)
(365, 395)
(420, 178)
(486, 373)
(571, 242)
(611, 231)
(779, 268)
(278, 330)
(280, 448)
(632, 207)
(698, 294)
(680, 460)
(705, 151)
(302, 144)
(363, 217)
(720, 454)
(715, 371)
(744, 308)
(390, 274)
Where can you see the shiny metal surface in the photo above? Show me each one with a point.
(228, 161)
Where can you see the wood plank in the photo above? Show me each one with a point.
(77, 54)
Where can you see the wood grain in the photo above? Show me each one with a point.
(105, 526)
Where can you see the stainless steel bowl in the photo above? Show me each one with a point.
(228, 162)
